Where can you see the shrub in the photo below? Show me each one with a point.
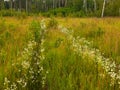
(28, 72)
(21, 15)
(96, 33)
(13, 13)
(35, 28)
(52, 23)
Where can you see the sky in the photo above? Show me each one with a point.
(6, 0)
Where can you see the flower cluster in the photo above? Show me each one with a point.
(30, 71)
(83, 47)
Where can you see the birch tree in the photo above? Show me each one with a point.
(19, 5)
(85, 5)
(26, 5)
(53, 4)
(119, 11)
(66, 3)
(58, 3)
(103, 8)
(11, 4)
(95, 6)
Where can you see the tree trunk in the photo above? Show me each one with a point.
(11, 4)
(95, 5)
(45, 6)
(14, 4)
(65, 3)
(103, 9)
(85, 5)
(62, 3)
(20, 5)
(29, 6)
(53, 4)
(119, 11)
(26, 5)
(59, 4)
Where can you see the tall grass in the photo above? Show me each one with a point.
(103, 32)
(75, 65)
(31, 74)
(60, 58)
(12, 41)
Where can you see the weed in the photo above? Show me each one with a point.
(96, 33)
(52, 23)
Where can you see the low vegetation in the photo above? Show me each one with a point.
(39, 53)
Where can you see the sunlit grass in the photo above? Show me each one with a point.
(108, 43)
(67, 70)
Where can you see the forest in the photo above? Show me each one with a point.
(78, 8)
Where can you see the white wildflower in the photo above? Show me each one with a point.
(42, 50)
(25, 64)
(82, 48)
(6, 81)
(20, 81)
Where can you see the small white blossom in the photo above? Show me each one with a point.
(25, 64)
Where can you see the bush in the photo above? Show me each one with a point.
(79, 14)
(52, 23)
(22, 15)
(13, 13)
(59, 12)
(96, 33)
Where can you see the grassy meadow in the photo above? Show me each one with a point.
(38, 53)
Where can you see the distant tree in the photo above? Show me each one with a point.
(103, 9)
(66, 2)
(20, 5)
(58, 3)
(119, 11)
(11, 4)
(1, 4)
(95, 6)
(85, 5)
(26, 5)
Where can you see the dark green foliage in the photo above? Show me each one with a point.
(3, 55)
(79, 14)
(7, 35)
(35, 28)
(58, 42)
(2, 42)
(52, 23)
(13, 13)
(62, 11)
(96, 33)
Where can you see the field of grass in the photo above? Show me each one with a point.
(59, 53)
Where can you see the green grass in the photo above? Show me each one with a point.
(105, 33)
(67, 69)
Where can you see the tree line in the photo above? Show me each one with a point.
(85, 7)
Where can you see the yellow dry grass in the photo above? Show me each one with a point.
(108, 43)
